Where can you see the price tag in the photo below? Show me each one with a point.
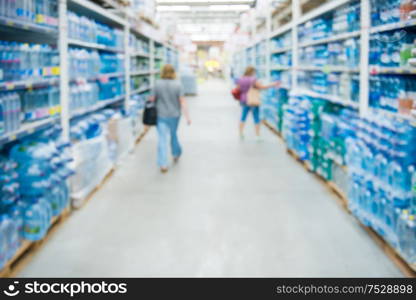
(47, 71)
(56, 71)
(51, 111)
(80, 81)
(40, 19)
(31, 130)
(9, 86)
(326, 69)
(10, 23)
(58, 109)
(103, 78)
(373, 71)
(12, 137)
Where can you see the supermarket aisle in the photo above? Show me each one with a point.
(229, 208)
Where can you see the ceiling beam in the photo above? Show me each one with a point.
(204, 3)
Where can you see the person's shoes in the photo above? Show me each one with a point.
(176, 159)
(163, 170)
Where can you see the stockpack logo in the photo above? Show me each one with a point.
(12, 290)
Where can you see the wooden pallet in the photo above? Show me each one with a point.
(407, 269)
(305, 164)
(274, 130)
(28, 248)
(143, 134)
(95, 190)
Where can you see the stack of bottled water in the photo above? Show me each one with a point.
(140, 82)
(10, 112)
(42, 12)
(392, 49)
(342, 20)
(11, 224)
(297, 125)
(381, 161)
(84, 63)
(282, 76)
(111, 88)
(393, 93)
(138, 64)
(33, 183)
(346, 53)
(88, 30)
(159, 51)
(282, 41)
(343, 85)
(43, 169)
(19, 61)
(281, 59)
(83, 95)
(40, 103)
(391, 11)
(139, 45)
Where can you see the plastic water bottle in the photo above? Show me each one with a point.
(4, 247)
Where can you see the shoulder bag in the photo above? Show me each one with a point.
(253, 96)
(150, 113)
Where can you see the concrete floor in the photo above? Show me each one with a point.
(229, 208)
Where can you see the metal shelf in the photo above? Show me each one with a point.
(141, 90)
(97, 77)
(96, 46)
(281, 50)
(140, 73)
(329, 69)
(331, 98)
(27, 129)
(27, 84)
(393, 26)
(101, 104)
(395, 115)
(26, 26)
(327, 7)
(374, 70)
(140, 54)
(281, 30)
(97, 12)
(335, 38)
(280, 68)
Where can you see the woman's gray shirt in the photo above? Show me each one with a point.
(167, 93)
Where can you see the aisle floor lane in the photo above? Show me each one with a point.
(229, 208)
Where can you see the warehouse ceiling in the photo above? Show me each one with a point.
(207, 20)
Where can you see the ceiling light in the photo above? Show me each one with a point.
(229, 7)
(174, 8)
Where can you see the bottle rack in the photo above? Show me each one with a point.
(57, 33)
(363, 72)
(363, 69)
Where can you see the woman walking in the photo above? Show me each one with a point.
(245, 83)
(169, 104)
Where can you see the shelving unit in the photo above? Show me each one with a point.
(284, 39)
(59, 76)
(10, 26)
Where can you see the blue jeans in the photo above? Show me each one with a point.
(167, 127)
(254, 109)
